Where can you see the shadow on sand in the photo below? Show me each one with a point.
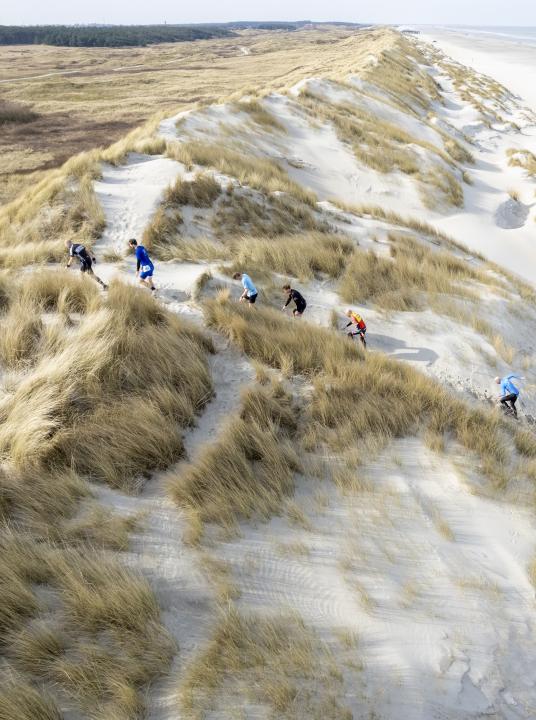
(400, 349)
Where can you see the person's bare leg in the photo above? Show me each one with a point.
(92, 274)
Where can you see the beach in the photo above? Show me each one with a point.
(506, 54)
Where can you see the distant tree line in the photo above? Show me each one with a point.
(132, 35)
(108, 36)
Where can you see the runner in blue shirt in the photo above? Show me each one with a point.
(250, 291)
(509, 392)
(144, 265)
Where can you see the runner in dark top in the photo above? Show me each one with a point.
(77, 250)
(298, 298)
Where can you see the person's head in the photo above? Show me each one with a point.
(287, 288)
(68, 244)
(133, 243)
(348, 313)
(237, 276)
(498, 380)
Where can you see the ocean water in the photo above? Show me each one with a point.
(522, 35)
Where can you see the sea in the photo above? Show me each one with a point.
(524, 35)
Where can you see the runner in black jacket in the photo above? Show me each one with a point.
(298, 298)
(86, 262)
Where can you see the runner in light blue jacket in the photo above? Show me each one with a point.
(250, 291)
(509, 392)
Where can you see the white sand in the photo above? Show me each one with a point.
(430, 577)
(511, 62)
(129, 195)
(489, 223)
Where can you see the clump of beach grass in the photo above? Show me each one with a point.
(260, 173)
(72, 388)
(278, 659)
(250, 468)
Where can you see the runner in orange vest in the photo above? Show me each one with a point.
(359, 328)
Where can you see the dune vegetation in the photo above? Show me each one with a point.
(100, 104)
(163, 457)
(363, 395)
(85, 405)
(279, 660)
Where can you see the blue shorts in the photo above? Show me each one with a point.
(147, 273)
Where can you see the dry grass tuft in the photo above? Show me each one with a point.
(275, 341)
(514, 194)
(60, 291)
(525, 441)
(260, 114)
(201, 192)
(523, 159)
(62, 206)
(11, 112)
(99, 527)
(245, 212)
(162, 231)
(71, 616)
(401, 281)
(250, 468)
(99, 384)
(532, 572)
(21, 334)
(105, 641)
(358, 395)
(423, 228)
(407, 85)
(302, 256)
(21, 701)
(259, 173)
(278, 660)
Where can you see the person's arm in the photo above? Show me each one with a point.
(138, 262)
(288, 301)
(245, 291)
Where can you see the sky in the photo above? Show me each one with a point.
(463, 12)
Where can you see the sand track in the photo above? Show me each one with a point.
(157, 550)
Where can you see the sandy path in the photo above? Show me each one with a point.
(130, 194)
(157, 549)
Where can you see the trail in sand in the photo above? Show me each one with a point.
(158, 550)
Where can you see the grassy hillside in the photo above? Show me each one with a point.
(79, 98)
(213, 510)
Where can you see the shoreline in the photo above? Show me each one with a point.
(509, 61)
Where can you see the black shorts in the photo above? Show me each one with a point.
(251, 298)
(300, 308)
(85, 264)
